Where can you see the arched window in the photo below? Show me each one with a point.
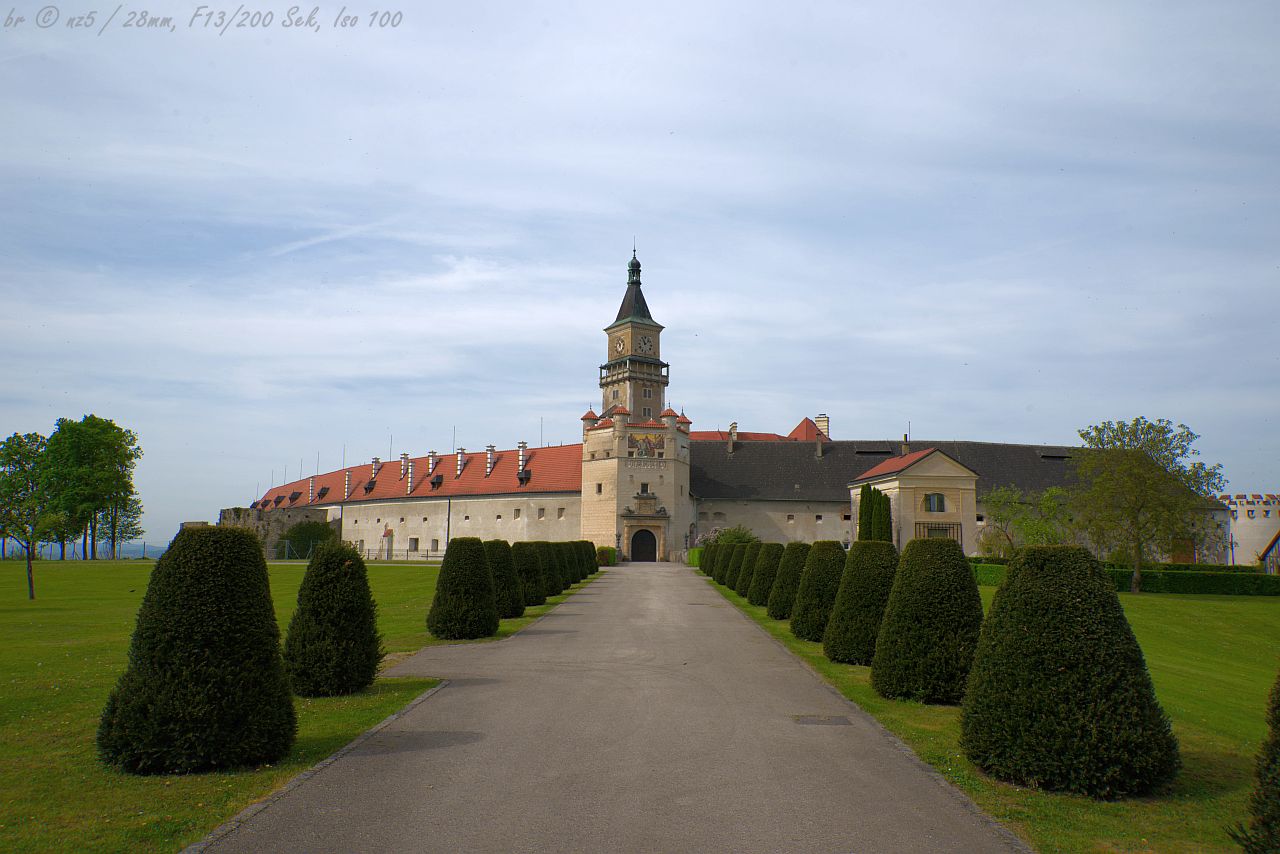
(935, 503)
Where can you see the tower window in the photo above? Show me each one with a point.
(615, 394)
(599, 489)
(648, 413)
(644, 488)
(648, 393)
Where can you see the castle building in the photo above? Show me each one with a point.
(645, 482)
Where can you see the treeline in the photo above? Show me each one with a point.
(74, 484)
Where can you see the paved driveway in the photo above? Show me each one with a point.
(644, 714)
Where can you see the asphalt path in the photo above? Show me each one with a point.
(643, 714)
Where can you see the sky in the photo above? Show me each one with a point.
(266, 248)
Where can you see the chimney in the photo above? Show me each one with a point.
(431, 463)
(346, 485)
(818, 446)
(462, 452)
(409, 475)
(311, 489)
(521, 449)
(377, 464)
(824, 424)
(906, 447)
(488, 460)
(733, 435)
(404, 465)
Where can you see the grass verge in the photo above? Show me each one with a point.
(60, 656)
(1212, 659)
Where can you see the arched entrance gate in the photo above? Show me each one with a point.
(644, 546)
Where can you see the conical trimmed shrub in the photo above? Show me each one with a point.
(1059, 697)
(552, 571)
(332, 646)
(528, 566)
(819, 584)
(205, 688)
(588, 552)
(851, 632)
(708, 560)
(724, 553)
(747, 570)
(464, 606)
(1263, 833)
(765, 572)
(790, 568)
(507, 589)
(866, 509)
(735, 565)
(930, 625)
(569, 561)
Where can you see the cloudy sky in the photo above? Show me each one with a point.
(998, 221)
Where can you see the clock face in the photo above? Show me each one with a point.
(619, 344)
(645, 344)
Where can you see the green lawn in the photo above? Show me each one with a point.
(60, 656)
(1213, 659)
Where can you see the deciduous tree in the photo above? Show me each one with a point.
(27, 503)
(1138, 488)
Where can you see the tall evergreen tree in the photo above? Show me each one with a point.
(333, 646)
(819, 583)
(866, 507)
(930, 625)
(528, 566)
(507, 588)
(747, 570)
(766, 571)
(1263, 833)
(464, 606)
(790, 568)
(864, 590)
(1059, 696)
(205, 688)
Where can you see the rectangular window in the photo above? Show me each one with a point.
(413, 544)
(516, 513)
(559, 512)
(935, 503)
(499, 517)
(599, 489)
(648, 393)
(644, 488)
(845, 517)
(542, 512)
(435, 545)
(791, 517)
(648, 413)
(817, 517)
(466, 518)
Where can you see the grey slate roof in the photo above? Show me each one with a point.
(791, 470)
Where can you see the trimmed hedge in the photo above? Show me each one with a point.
(748, 569)
(1223, 583)
(552, 568)
(587, 550)
(790, 568)
(1059, 697)
(205, 688)
(864, 591)
(735, 564)
(606, 556)
(1251, 569)
(930, 625)
(528, 566)
(765, 572)
(507, 588)
(573, 571)
(333, 647)
(724, 557)
(708, 560)
(817, 591)
(464, 606)
(694, 556)
(1262, 836)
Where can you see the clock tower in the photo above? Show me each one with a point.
(635, 453)
(634, 377)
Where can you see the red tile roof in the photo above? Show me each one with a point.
(668, 413)
(723, 436)
(590, 415)
(807, 431)
(602, 424)
(554, 469)
(683, 420)
(895, 464)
